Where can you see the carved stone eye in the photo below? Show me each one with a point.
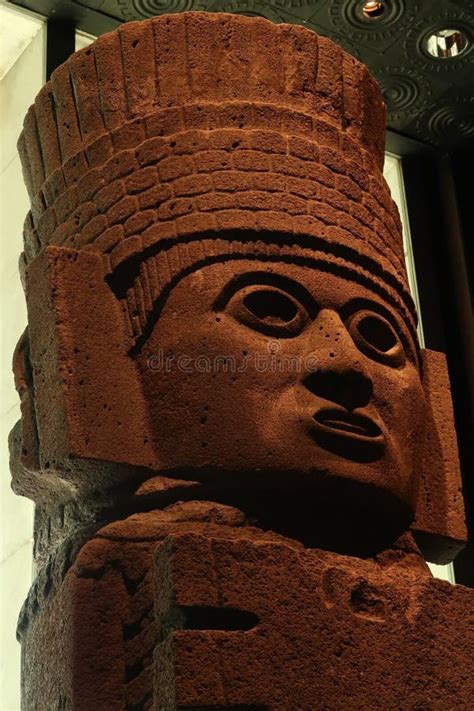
(269, 310)
(376, 338)
(271, 306)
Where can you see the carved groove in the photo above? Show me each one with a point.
(217, 618)
(132, 630)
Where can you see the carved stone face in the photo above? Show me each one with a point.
(282, 372)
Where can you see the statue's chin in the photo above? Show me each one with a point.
(322, 508)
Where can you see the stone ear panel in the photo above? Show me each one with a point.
(88, 405)
(23, 440)
(440, 517)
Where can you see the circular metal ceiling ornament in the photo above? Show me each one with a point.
(446, 43)
(451, 119)
(373, 10)
(251, 8)
(400, 92)
(291, 4)
(254, 8)
(149, 8)
(350, 17)
(405, 92)
(415, 47)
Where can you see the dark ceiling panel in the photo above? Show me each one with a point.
(429, 99)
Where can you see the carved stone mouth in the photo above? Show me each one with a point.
(348, 434)
(348, 422)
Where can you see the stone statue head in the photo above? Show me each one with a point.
(217, 291)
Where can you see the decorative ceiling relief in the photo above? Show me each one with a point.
(353, 18)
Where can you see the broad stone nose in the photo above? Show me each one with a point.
(338, 370)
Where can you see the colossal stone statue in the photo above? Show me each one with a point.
(236, 447)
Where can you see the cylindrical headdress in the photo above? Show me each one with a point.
(190, 135)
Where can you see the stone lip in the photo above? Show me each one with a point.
(353, 434)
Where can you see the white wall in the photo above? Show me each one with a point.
(18, 88)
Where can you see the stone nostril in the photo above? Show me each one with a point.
(349, 388)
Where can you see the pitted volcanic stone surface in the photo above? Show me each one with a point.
(203, 615)
(227, 425)
(97, 98)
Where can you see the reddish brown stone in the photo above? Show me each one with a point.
(99, 151)
(109, 195)
(141, 180)
(219, 309)
(189, 607)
